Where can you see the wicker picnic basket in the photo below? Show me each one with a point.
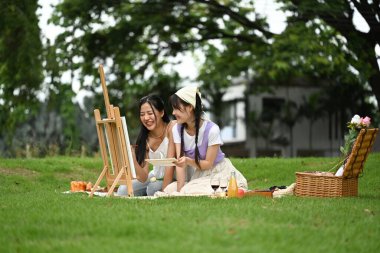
(324, 184)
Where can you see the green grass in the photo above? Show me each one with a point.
(36, 217)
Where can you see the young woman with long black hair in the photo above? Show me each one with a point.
(152, 142)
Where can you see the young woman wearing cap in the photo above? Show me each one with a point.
(197, 143)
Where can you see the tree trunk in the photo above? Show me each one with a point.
(374, 81)
(311, 134)
(291, 141)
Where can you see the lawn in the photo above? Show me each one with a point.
(35, 215)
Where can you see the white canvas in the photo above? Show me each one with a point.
(128, 145)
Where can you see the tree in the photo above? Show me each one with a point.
(137, 40)
(339, 15)
(310, 55)
(144, 35)
(289, 115)
(20, 64)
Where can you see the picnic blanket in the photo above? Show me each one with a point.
(171, 192)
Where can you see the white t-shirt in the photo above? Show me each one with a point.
(160, 152)
(213, 136)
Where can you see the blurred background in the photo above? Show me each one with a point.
(281, 78)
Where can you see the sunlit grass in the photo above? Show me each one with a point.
(35, 215)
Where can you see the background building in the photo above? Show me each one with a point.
(276, 124)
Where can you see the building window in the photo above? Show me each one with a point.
(232, 121)
(229, 120)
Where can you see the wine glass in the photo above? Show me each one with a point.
(223, 183)
(214, 182)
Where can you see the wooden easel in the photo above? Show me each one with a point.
(111, 135)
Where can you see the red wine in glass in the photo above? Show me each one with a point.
(223, 183)
(214, 187)
(214, 182)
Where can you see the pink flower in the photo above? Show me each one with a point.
(366, 121)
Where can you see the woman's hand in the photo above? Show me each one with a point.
(181, 162)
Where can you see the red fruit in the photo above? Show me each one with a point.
(240, 193)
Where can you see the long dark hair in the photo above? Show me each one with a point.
(178, 103)
(155, 102)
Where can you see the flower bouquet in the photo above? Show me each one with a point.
(354, 126)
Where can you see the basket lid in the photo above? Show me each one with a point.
(360, 150)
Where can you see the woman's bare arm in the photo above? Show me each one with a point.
(169, 171)
(141, 171)
(206, 164)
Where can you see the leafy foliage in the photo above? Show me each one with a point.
(136, 41)
(20, 64)
(339, 15)
(144, 36)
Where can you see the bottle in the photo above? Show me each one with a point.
(232, 186)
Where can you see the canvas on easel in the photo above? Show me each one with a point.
(115, 148)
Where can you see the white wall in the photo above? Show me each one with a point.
(320, 130)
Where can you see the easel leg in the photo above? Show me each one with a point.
(117, 179)
(129, 183)
(98, 181)
(115, 183)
